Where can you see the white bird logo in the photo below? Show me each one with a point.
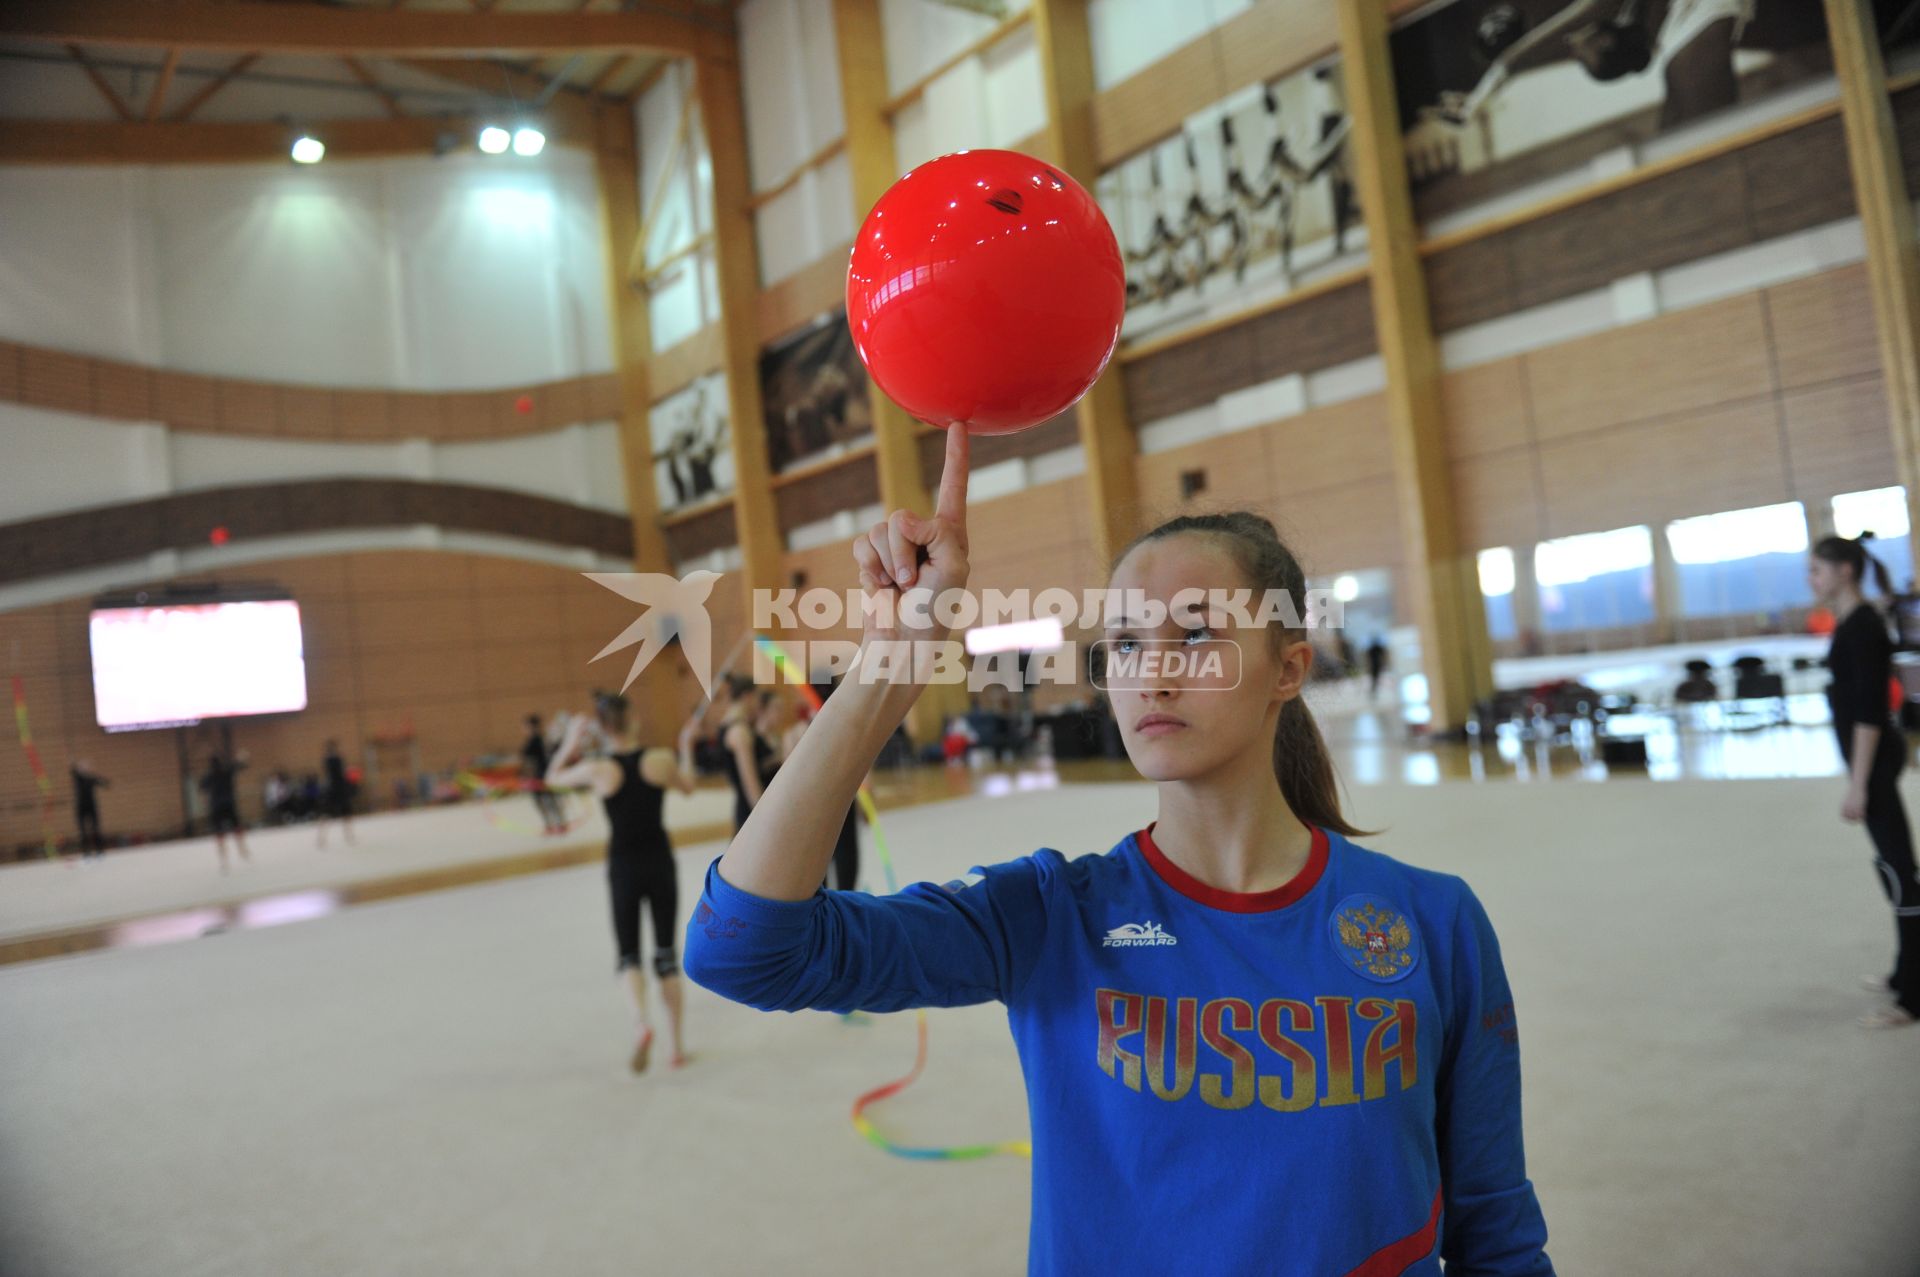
(673, 607)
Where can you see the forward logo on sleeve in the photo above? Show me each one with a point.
(1374, 939)
(1133, 935)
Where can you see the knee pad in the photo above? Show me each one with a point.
(665, 963)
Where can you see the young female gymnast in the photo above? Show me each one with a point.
(1250, 1045)
(633, 784)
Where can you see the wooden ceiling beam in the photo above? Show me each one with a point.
(367, 79)
(202, 142)
(165, 78)
(114, 100)
(507, 84)
(213, 86)
(324, 29)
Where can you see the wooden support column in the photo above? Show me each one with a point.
(1106, 436)
(737, 261)
(617, 166)
(1442, 577)
(874, 165)
(1886, 220)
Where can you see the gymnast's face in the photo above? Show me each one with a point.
(1825, 580)
(1204, 693)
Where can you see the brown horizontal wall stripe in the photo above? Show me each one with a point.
(824, 494)
(236, 406)
(82, 539)
(702, 535)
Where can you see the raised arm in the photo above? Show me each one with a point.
(765, 933)
(783, 850)
(567, 771)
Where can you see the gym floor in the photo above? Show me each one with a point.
(437, 1081)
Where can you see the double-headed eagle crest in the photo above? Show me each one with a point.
(1378, 939)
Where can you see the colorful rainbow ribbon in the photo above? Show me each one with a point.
(34, 762)
(485, 788)
(861, 1122)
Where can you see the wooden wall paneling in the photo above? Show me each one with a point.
(1329, 330)
(413, 621)
(305, 412)
(1823, 327)
(694, 538)
(1681, 217)
(602, 398)
(1470, 283)
(1191, 375)
(186, 401)
(1797, 180)
(565, 402)
(823, 494)
(1486, 408)
(361, 414)
(1237, 469)
(1837, 438)
(418, 675)
(10, 354)
(1498, 498)
(410, 574)
(1630, 373)
(249, 408)
(1342, 443)
(1339, 528)
(121, 391)
(1728, 457)
(526, 667)
(54, 379)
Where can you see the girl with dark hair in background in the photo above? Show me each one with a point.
(1249, 1044)
(1875, 750)
(336, 794)
(752, 754)
(633, 785)
(86, 807)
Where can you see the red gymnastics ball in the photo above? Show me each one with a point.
(523, 405)
(986, 287)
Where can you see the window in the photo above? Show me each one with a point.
(1596, 581)
(1496, 587)
(1743, 561)
(1883, 512)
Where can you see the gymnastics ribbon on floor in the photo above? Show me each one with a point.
(487, 788)
(34, 763)
(861, 1122)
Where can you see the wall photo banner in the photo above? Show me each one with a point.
(1254, 189)
(814, 393)
(691, 459)
(1498, 94)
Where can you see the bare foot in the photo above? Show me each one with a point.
(1893, 1017)
(641, 1049)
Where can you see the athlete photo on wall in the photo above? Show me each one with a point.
(814, 393)
(1482, 83)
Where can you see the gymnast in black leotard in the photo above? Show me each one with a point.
(752, 757)
(633, 785)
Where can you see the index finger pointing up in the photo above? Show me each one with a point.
(951, 504)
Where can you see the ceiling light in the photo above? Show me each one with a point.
(528, 140)
(308, 150)
(494, 140)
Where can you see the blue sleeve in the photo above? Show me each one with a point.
(1494, 1227)
(971, 941)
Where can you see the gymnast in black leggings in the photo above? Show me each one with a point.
(633, 784)
(1875, 750)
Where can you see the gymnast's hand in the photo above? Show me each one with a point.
(1433, 143)
(907, 552)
